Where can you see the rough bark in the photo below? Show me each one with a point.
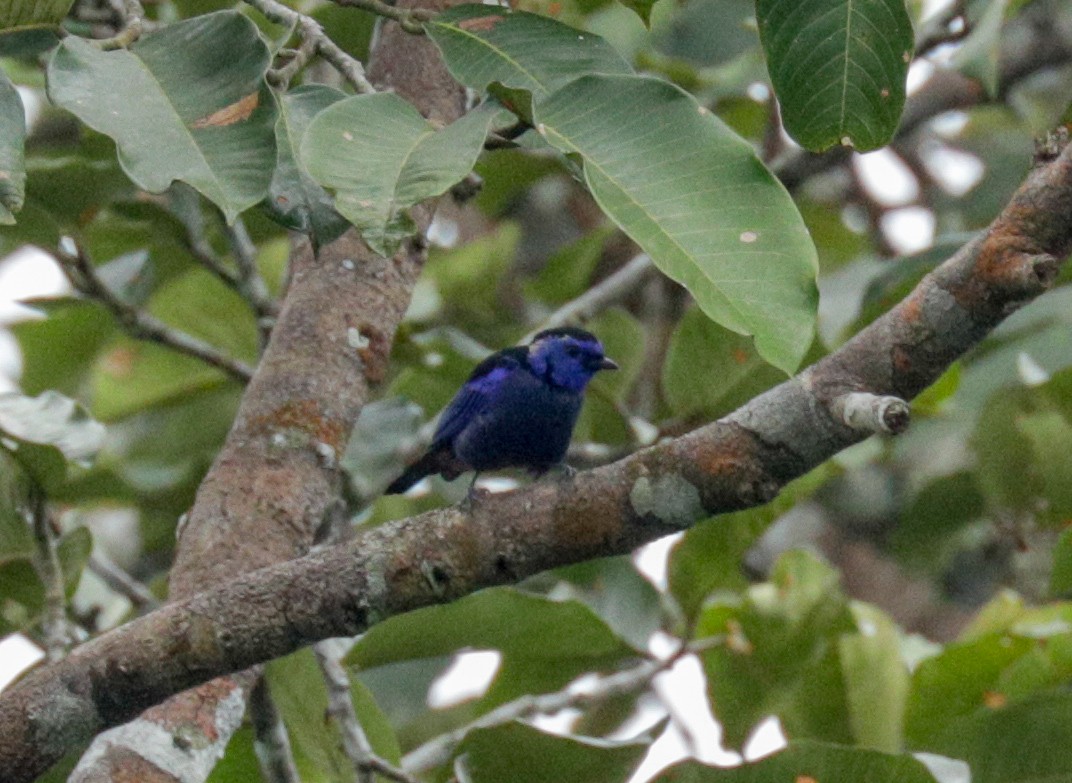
(276, 480)
(736, 462)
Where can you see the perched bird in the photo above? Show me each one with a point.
(517, 410)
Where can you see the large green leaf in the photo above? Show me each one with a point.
(838, 68)
(808, 762)
(296, 200)
(1026, 742)
(132, 375)
(46, 431)
(695, 197)
(188, 103)
(12, 137)
(298, 688)
(504, 619)
(544, 643)
(528, 55)
(32, 13)
(380, 157)
(519, 753)
(710, 371)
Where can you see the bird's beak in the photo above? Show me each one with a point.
(608, 364)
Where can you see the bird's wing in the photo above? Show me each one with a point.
(476, 394)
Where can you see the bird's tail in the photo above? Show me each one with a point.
(434, 461)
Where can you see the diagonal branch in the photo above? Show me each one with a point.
(736, 462)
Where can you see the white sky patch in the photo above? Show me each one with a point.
(910, 230)
(651, 559)
(17, 653)
(768, 738)
(886, 178)
(955, 170)
(467, 678)
(918, 74)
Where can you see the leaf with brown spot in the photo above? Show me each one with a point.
(230, 114)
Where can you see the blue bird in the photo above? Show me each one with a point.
(517, 410)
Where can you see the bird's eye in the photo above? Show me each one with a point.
(573, 350)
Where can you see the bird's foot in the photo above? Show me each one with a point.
(562, 471)
(472, 497)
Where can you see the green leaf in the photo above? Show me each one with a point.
(12, 138)
(381, 157)
(515, 623)
(809, 761)
(875, 679)
(710, 371)
(528, 55)
(959, 682)
(980, 52)
(188, 102)
(131, 375)
(46, 431)
(33, 13)
(294, 197)
(781, 654)
(1026, 742)
(22, 596)
(298, 688)
(710, 556)
(1061, 577)
(73, 551)
(695, 197)
(838, 68)
(520, 753)
(544, 643)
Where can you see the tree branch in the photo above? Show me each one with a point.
(138, 324)
(739, 461)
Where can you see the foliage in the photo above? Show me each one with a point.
(174, 163)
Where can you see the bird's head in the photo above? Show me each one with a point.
(568, 357)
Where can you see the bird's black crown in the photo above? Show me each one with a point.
(567, 331)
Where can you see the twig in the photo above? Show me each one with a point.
(59, 633)
(249, 282)
(122, 582)
(599, 296)
(409, 19)
(939, 30)
(272, 744)
(140, 325)
(355, 743)
(439, 750)
(310, 30)
(133, 25)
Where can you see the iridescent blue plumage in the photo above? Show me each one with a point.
(517, 410)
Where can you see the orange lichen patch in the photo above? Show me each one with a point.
(995, 699)
(911, 307)
(480, 23)
(304, 416)
(805, 779)
(229, 115)
(198, 708)
(902, 360)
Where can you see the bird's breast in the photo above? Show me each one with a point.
(528, 425)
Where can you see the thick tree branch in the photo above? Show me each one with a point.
(736, 462)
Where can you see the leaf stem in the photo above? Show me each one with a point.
(313, 39)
